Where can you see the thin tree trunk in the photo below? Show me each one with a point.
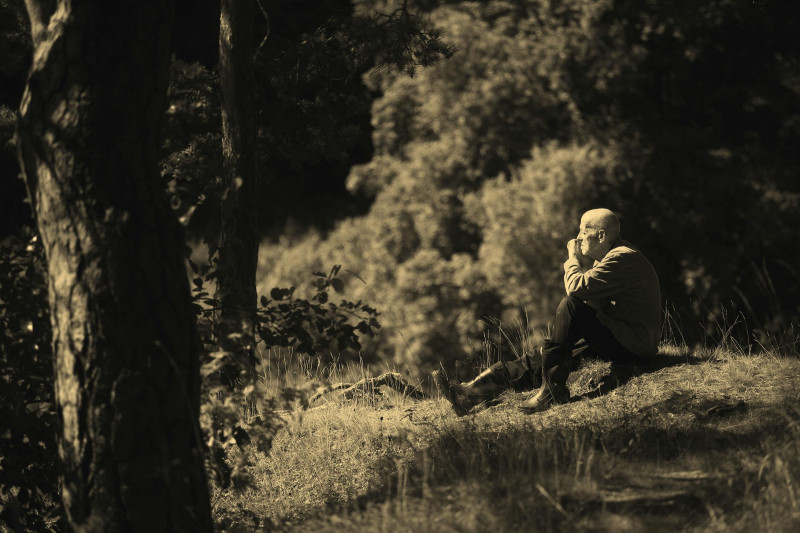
(238, 242)
(124, 339)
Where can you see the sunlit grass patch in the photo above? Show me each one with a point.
(708, 442)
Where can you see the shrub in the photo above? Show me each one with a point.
(29, 498)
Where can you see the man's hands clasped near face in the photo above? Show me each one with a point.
(574, 251)
(599, 230)
(574, 248)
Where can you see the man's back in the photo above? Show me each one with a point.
(624, 287)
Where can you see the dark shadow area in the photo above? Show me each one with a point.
(524, 375)
(638, 487)
(620, 374)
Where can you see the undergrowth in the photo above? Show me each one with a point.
(709, 441)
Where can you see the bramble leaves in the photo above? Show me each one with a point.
(316, 324)
(238, 419)
(29, 490)
(337, 285)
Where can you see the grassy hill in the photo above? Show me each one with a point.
(709, 440)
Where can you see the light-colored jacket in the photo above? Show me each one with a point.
(624, 288)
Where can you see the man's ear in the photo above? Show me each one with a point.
(601, 235)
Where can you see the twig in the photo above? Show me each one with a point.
(392, 380)
(552, 500)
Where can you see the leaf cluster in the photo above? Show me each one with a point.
(402, 39)
(28, 459)
(235, 421)
(308, 326)
(237, 416)
(313, 325)
(191, 154)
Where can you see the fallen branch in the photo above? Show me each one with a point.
(372, 385)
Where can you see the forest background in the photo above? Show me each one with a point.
(442, 152)
(448, 191)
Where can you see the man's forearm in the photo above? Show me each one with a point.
(604, 279)
(585, 262)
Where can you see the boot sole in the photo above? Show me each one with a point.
(443, 385)
(529, 409)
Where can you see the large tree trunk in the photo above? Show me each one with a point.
(238, 242)
(124, 339)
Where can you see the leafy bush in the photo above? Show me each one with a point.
(29, 498)
(191, 155)
(547, 109)
(526, 220)
(312, 325)
(239, 417)
(308, 326)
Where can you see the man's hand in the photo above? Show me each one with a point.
(574, 249)
(574, 252)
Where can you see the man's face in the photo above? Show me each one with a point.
(590, 238)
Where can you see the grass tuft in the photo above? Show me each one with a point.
(707, 441)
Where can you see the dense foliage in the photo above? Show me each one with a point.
(312, 110)
(28, 491)
(683, 119)
(236, 411)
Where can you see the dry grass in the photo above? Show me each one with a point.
(709, 442)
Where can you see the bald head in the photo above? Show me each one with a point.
(599, 233)
(603, 219)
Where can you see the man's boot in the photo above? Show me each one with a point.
(549, 394)
(464, 396)
(454, 393)
(556, 363)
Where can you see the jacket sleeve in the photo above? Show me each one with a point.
(605, 279)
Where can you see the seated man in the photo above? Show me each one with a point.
(613, 303)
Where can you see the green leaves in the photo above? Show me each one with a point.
(316, 324)
(337, 285)
(280, 294)
(27, 442)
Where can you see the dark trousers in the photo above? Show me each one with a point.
(574, 321)
(522, 374)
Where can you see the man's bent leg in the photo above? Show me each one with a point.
(605, 345)
(569, 326)
(571, 317)
(518, 374)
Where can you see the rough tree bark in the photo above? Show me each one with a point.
(238, 241)
(124, 337)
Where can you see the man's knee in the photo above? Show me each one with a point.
(577, 312)
(569, 305)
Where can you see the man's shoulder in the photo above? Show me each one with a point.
(628, 254)
(623, 249)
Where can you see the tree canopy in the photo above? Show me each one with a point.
(681, 118)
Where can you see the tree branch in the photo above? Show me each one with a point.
(39, 13)
(264, 12)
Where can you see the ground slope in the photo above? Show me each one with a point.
(704, 442)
